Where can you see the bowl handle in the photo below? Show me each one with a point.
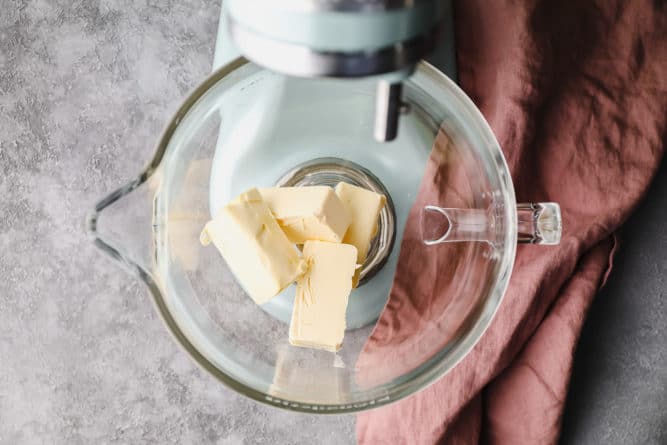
(537, 223)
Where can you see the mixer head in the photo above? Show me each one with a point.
(342, 39)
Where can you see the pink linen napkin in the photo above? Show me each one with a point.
(576, 92)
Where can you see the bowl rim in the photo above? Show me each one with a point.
(417, 379)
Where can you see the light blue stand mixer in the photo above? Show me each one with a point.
(376, 42)
(334, 91)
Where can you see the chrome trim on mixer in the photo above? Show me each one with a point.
(346, 5)
(387, 109)
(302, 61)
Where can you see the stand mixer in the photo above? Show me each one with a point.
(348, 42)
(329, 76)
(340, 39)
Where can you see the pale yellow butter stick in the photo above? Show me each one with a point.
(255, 248)
(318, 317)
(364, 207)
(308, 213)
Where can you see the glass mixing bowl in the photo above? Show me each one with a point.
(248, 127)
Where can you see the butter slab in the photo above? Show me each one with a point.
(255, 248)
(318, 317)
(364, 207)
(308, 213)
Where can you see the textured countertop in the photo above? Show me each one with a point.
(85, 88)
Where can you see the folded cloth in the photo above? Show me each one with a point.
(576, 92)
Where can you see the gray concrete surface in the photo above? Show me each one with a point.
(618, 392)
(85, 88)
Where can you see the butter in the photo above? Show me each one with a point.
(254, 247)
(308, 213)
(183, 246)
(187, 213)
(292, 382)
(364, 207)
(318, 317)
